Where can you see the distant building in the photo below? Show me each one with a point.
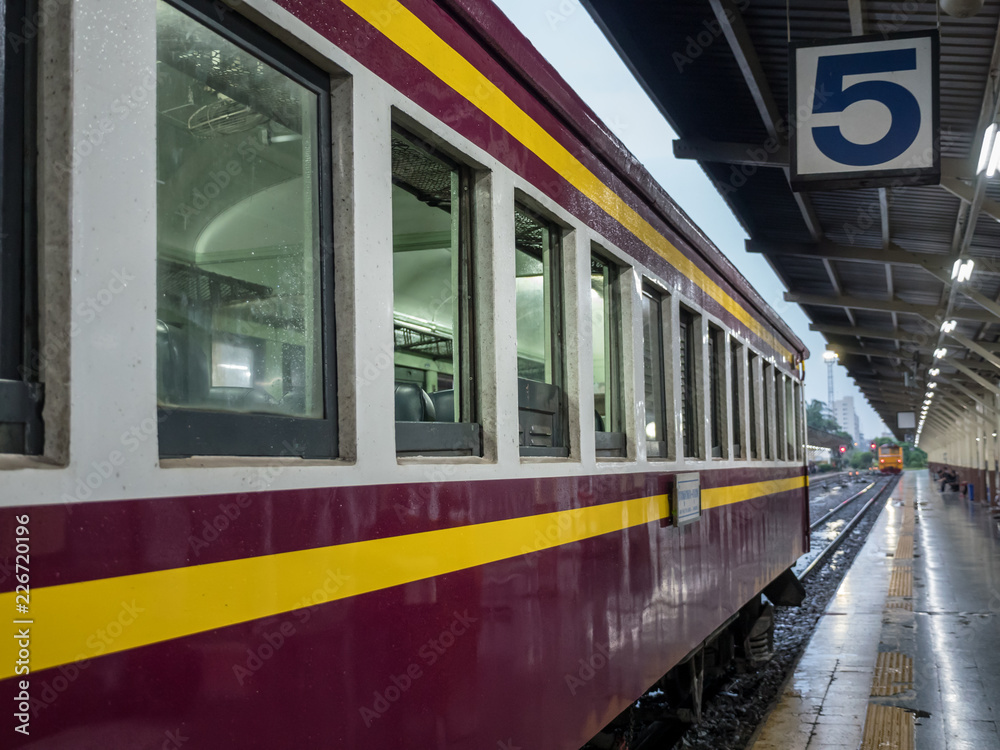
(843, 411)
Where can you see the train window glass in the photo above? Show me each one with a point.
(20, 391)
(653, 380)
(799, 439)
(687, 331)
(717, 388)
(753, 378)
(542, 406)
(432, 301)
(768, 383)
(735, 368)
(244, 315)
(606, 328)
(778, 401)
(789, 420)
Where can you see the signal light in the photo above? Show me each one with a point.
(873, 446)
(843, 449)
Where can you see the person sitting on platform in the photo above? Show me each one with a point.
(948, 477)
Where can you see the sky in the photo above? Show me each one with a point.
(567, 37)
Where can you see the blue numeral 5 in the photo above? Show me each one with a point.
(830, 96)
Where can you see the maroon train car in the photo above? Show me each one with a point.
(370, 394)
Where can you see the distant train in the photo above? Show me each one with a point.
(890, 458)
(372, 395)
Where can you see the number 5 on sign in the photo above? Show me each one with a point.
(864, 112)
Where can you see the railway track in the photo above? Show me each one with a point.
(833, 523)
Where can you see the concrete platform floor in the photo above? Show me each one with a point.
(907, 654)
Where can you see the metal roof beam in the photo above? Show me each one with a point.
(778, 155)
(770, 154)
(971, 375)
(973, 346)
(967, 193)
(928, 312)
(895, 354)
(728, 14)
(971, 394)
(883, 208)
(857, 12)
(871, 333)
(937, 264)
(891, 254)
(731, 19)
(967, 291)
(968, 407)
(859, 303)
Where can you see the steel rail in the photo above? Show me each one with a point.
(832, 547)
(851, 499)
(840, 475)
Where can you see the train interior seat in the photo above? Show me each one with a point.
(444, 405)
(413, 404)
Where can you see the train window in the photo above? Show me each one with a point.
(652, 360)
(20, 359)
(687, 353)
(606, 324)
(735, 370)
(799, 440)
(432, 280)
(780, 414)
(542, 408)
(752, 379)
(768, 378)
(789, 420)
(717, 389)
(244, 311)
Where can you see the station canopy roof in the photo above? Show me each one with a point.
(871, 267)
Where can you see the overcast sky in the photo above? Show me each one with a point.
(564, 33)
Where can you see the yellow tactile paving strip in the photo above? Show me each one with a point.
(887, 728)
(893, 674)
(901, 583)
(904, 549)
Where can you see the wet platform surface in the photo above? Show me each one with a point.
(907, 654)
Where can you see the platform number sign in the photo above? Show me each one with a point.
(864, 112)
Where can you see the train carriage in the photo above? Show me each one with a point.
(349, 382)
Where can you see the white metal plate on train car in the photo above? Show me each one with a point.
(687, 503)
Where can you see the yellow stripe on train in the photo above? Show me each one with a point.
(78, 621)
